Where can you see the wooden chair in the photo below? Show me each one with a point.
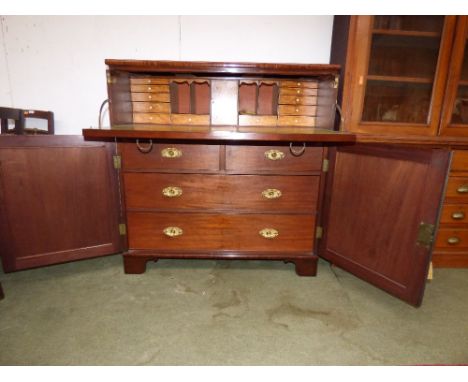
(19, 116)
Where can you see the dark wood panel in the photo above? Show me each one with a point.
(58, 201)
(376, 204)
(213, 232)
(252, 159)
(192, 157)
(222, 192)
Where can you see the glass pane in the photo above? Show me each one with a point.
(388, 101)
(410, 23)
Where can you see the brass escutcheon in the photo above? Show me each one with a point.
(453, 240)
(271, 193)
(171, 152)
(269, 233)
(458, 215)
(173, 231)
(462, 189)
(172, 191)
(274, 154)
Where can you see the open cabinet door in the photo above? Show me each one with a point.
(379, 215)
(58, 200)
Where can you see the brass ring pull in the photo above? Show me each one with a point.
(458, 215)
(269, 233)
(297, 153)
(463, 189)
(453, 240)
(271, 193)
(274, 154)
(147, 149)
(172, 191)
(171, 152)
(173, 231)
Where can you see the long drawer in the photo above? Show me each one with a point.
(211, 232)
(253, 159)
(170, 156)
(224, 192)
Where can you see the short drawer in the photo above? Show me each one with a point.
(258, 159)
(190, 119)
(258, 120)
(454, 213)
(297, 110)
(148, 80)
(255, 193)
(170, 156)
(296, 121)
(210, 232)
(151, 97)
(156, 118)
(151, 107)
(459, 161)
(451, 238)
(299, 83)
(298, 91)
(457, 187)
(150, 88)
(297, 100)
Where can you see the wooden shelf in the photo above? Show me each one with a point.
(415, 80)
(405, 33)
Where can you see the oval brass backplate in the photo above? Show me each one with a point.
(171, 152)
(172, 192)
(269, 233)
(271, 193)
(274, 154)
(173, 231)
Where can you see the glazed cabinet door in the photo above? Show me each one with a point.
(395, 75)
(58, 200)
(380, 214)
(454, 119)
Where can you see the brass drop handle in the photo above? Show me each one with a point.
(271, 193)
(269, 233)
(463, 189)
(297, 152)
(171, 152)
(458, 215)
(173, 231)
(172, 191)
(274, 154)
(142, 149)
(453, 240)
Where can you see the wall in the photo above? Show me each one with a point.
(57, 62)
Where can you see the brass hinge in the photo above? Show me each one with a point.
(325, 165)
(336, 82)
(318, 232)
(117, 161)
(425, 235)
(123, 229)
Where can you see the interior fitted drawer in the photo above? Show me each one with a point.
(451, 238)
(223, 192)
(303, 84)
(190, 119)
(298, 91)
(459, 161)
(457, 187)
(254, 159)
(297, 100)
(151, 107)
(454, 214)
(151, 118)
(170, 156)
(297, 110)
(296, 121)
(148, 80)
(151, 97)
(193, 231)
(149, 88)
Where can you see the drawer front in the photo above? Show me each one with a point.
(161, 119)
(258, 120)
(451, 238)
(297, 100)
(298, 91)
(187, 231)
(454, 213)
(151, 97)
(297, 110)
(457, 187)
(296, 121)
(150, 88)
(223, 192)
(190, 119)
(459, 161)
(151, 107)
(254, 159)
(148, 80)
(299, 84)
(170, 156)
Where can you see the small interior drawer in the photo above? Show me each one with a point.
(150, 88)
(300, 84)
(151, 97)
(297, 100)
(297, 120)
(151, 107)
(298, 91)
(148, 80)
(156, 118)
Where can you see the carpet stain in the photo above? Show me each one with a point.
(232, 300)
(231, 305)
(275, 315)
(184, 289)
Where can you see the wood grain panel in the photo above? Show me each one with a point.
(258, 120)
(221, 192)
(149, 88)
(190, 119)
(194, 157)
(297, 110)
(152, 118)
(252, 159)
(299, 83)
